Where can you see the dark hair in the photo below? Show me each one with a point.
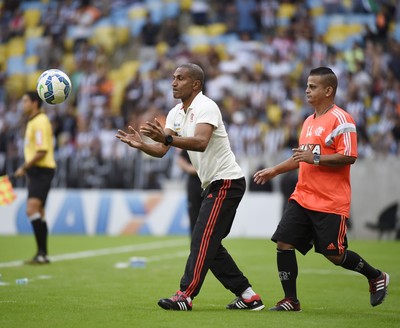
(33, 96)
(195, 72)
(329, 78)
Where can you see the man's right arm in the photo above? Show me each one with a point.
(268, 173)
(134, 139)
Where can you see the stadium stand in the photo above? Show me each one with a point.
(255, 70)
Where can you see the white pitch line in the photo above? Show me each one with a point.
(158, 258)
(105, 251)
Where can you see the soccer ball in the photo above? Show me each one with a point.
(53, 86)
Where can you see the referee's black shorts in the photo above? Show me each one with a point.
(39, 182)
(304, 228)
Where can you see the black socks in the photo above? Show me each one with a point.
(287, 267)
(354, 262)
(40, 231)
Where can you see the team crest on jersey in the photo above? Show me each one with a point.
(318, 131)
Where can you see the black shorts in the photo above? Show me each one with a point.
(39, 182)
(304, 228)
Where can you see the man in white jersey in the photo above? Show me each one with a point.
(196, 125)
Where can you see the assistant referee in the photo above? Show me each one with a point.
(39, 166)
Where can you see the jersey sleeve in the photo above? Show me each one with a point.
(169, 122)
(209, 114)
(344, 136)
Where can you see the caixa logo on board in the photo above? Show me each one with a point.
(110, 213)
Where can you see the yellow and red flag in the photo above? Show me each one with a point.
(7, 194)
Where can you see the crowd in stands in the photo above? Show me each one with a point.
(121, 54)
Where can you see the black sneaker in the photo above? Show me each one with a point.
(39, 259)
(287, 304)
(178, 302)
(378, 288)
(253, 304)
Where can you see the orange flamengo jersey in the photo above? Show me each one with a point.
(323, 188)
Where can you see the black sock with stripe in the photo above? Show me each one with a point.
(354, 262)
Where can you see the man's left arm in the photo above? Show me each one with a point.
(333, 160)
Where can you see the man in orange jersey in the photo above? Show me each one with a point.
(318, 208)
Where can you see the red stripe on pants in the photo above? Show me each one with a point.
(206, 237)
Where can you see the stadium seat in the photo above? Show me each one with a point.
(316, 7)
(122, 34)
(215, 32)
(216, 29)
(129, 69)
(31, 80)
(3, 54)
(15, 65)
(69, 44)
(115, 75)
(117, 96)
(137, 16)
(285, 12)
(33, 4)
(396, 32)
(16, 85)
(171, 8)
(104, 36)
(196, 36)
(16, 46)
(195, 30)
(32, 17)
(31, 45)
(68, 62)
(34, 32)
(186, 5)
(220, 48)
(321, 24)
(156, 9)
(162, 48)
(317, 11)
(338, 34)
(201, 49)
(31, 63)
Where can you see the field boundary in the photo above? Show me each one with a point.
(105, 251)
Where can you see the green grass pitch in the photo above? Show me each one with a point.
(90, 284)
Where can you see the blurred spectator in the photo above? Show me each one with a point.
(287, 185)
(199, 11)
(256, 72)
(248, 17)
(266, 187)
(149, 32)
(396, 134)
(133, 94)
(17, 24)
(193, 187)
(84, 18)
(170, 32)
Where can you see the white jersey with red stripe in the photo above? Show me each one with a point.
(217, 161)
